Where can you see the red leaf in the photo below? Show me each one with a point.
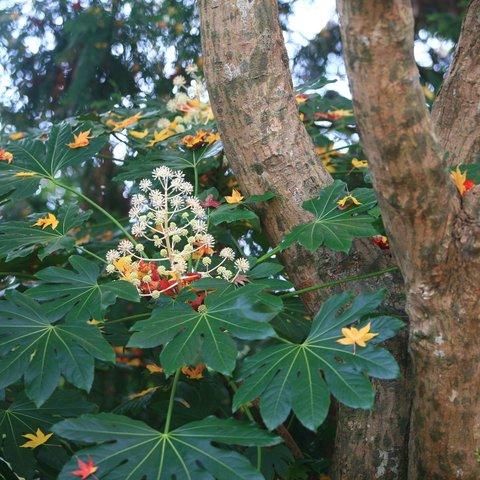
(85, 469)
(468, 184)
(210, 202)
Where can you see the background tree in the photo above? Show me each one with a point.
(69, 57)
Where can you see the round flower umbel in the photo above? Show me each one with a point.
(191, 99)
(169, 221)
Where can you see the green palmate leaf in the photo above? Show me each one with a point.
(6, 472)
(265, 269)
(134, 169)
(293, 322)
(289, 376)
(234, 213)
(202, 160)
(42, 159)
(189, 336)
(35, 345)
(59, 155)
(333, 227)
(22, 417)
(264, 197)
(387, 327)
(262, 274)
(16, 187)
(130, 449)
(79, 291)
(473, 171)
(19, 239)
(275, 461)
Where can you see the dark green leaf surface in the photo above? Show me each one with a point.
(79, 291)
(275, 461)
(202, 160)
(234, 213)
(293, 322)
(189, 336)
(264, 197)
(22, 416)
(289, 376)
(333, 227)
(46, 160)
(127, 448)
(35, 345)
(19, 239)
(261, 275)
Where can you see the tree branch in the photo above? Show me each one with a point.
(417, 198)
(434, 231)
(456, 111)
(265, 142)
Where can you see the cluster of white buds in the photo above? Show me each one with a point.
(191, 99)
(168, 217)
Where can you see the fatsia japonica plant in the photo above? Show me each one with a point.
(157, 336)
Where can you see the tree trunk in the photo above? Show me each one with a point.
(373, 444)
(266, 144)
(456, 113)
(433, 230)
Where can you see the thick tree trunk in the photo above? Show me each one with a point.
(373, 444)
(434, 232)
(269, 150)
(251, 92)
(456, 112)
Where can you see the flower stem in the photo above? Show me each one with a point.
(131, 317)
(259, 458)
(249, 415)
(195, 175)
(269, 254)
(339, 282)
(97, 207)
(88, 252)
(170, 402)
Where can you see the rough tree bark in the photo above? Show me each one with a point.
(251, 92)
(456, 111)
(269, 149)
(435, 233)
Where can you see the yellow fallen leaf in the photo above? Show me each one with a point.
(81, 140)
(235, 197)
(138, 134)
(49, 220)
(35, 439)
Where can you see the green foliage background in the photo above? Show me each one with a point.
(269, 364)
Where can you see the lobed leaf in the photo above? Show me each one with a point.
(79, 292)
(234, 213)
(301, 376)
(332, 227)
(22, 416)
(20, 238)
(45, 160)
(189, 336)
(126, 448)
(36, 346)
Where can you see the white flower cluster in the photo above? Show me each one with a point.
(191, 99)
(167, 215)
